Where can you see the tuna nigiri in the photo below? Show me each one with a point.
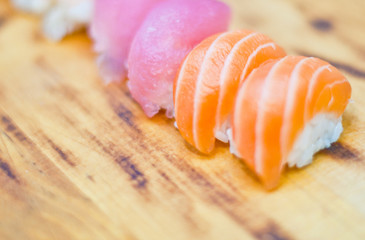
(207, 82)
(113, 27)
(285, 111)
(167, 35)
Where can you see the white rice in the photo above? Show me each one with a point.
(221, 133)
(33, 6)
(319, 133)
(232, 146)
(65, 18)
(60, 17)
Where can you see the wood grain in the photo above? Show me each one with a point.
(79, 160)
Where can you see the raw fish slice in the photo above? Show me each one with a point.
(287, 110)
(167, 35)
(113, 27)
(207, 82)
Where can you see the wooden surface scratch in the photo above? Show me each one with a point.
(80, 160)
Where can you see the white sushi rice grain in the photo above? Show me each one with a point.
(221, 133)
(33, 6)
(60, 17)
(65, 18)
(232, 146)
(319, 133)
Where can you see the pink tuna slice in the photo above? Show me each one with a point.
(169, 32)
(113, 27)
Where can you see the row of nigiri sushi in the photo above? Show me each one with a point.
(234, 86)
(238, 86)
(150, 48)
(150, 38)
(274, 109)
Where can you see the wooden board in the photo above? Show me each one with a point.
(79, 160)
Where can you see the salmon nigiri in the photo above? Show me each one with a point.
(169, 32)
(206, 84)
(285, 111)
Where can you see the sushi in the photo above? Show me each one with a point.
(60, 17)
(67, 16)
(113, 27)
(169, 32)
(285, 111)
(33, 6)
(274, 110)
(208, 80)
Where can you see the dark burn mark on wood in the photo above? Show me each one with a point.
(131, 169)
(109, 148)
(10, 127)
(342, 66)
(340, 150)
(265, 229)
(349, 69)
(171, 186)
(199, 179)
(104, 148)
(61, 153)
(20, 136)
(216, 196)
(73, 96)
(5, 120)
(7, 136)
(271, 232)
(322, 25)
(126, 92)
(120, 107)
(233, 206)
(91, 178)
(137, 177)
(124, 114)
(34, 164)
(167, 181)
(8, 124)
(4, 166)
